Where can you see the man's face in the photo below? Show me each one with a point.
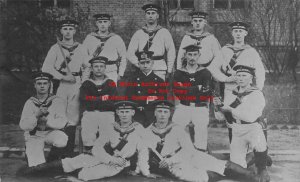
(103, 25)
(192, 57)
(151, 17)
(68, 32)
(239, 35)
(125, 115)
(162, 115)
(244, 79)
(42, 86)
(146, 65)
(198, 23)
(98, 69)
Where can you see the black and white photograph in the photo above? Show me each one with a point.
(150, 90)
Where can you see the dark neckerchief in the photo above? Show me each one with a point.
(124, 131)
(237, 49)
(246, 92)
(46, 103)
(199, 68)
(161, 132)
(102, 38)
(151, 32)
(69, 48)
(198, 38)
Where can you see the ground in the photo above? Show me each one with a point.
(284, 146)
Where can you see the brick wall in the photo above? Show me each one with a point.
(127, 14)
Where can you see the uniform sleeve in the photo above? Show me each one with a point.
(132, 48)
(49, 63)
(121, 48)
(170, 48)
(251, 107)
(28, 118)
(217, 62)
(181, 52)
(57, 118)
(259, 71)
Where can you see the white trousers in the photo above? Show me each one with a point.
(93, 122)
(35, 144)
(70, 94)
(92, 168)
(200, 118)
(243, 137)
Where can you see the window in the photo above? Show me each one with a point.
(229, 4)
(221, 4)
(181, 4)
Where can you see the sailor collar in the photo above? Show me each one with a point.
(203, 35)
(125, 130)
(199, 68)
(161, 132)
(146, 30)
(47, 102)
(246, 92)
(105, 37)
(68, 47)
(97, 83)
(230, 46)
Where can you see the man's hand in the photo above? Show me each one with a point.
(217, 101)
(164, 163)
(231, 79)
(69, 78)
(43, 111)
(118, 161)
(42, 123)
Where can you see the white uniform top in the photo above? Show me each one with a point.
(113, 48)
(162, 42)
(175, 139)
(113, 137)
(247, 56)
(56, 119)
(251, 107)
(55, 59)
(210, 52)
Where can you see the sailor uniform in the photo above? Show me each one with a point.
(69, 92)
(144, 89)
(97, 113)
(247, 56)
(37, 135)
(174, 144)
(246, 131)
(99, 164)
(111, 46)
(194, 99)
(160, 42)
(210, 53)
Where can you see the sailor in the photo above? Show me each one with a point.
(97, 98)
(105, 43)
(153, 37)
(42, 119)
(110, 154)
